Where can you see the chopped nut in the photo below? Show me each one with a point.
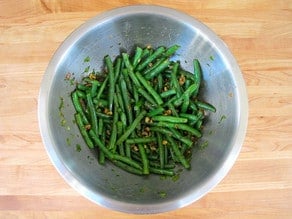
(92, 76)
(152, 148)
(147, 119)
(167, 112)
(108, 112)
(144, 133)
(135, 148)
(164, 142)
(182, 80)
(68, 76)
(87, 127)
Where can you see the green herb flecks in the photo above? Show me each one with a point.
(78, 147)
(86, 59)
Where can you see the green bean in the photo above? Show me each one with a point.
(127, 167)
(152, 156)
(100, 102)
(120, 99)
(191, 89)
(161, 150)
(157, 165)
(171, 50)
(190, 117)
(137, 56)
(206, 106)
(127, 161)
(81, 94)
(146, 96)
(185, 103)
(131, 127)
(150, 106)
(140, 140)
(120, 128)
(100, 126)
(150, 58)
(184, 127)
(145, 160)
(154, 94)
(168, 93)
(117, 69)
(197, 73)
(178, 135)
(172, 155)
(171, 119)
(187, 74)
(165, 155)
(128, 150)
(111, 77)
(174, 80)
(126, 100)
(199, 124)
(130, 69)
(101, 158)
(100, 144)
(83, 131)
(172, 108)
(155, 112)
(153, 66)
(193, 106)
(78, 107)
(177, 152)
(157, 70)
(95, 85)
(113, 137)
(167, 172)
(174, 133)
(145, 54)
(82, 87)
(92, 112)
(159, 83)
(101, 89)
(103, 116)
(123, 119)
(187, 83)
(125, 76)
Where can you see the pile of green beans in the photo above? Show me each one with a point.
(143, 112)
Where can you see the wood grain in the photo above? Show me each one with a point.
(259, 34)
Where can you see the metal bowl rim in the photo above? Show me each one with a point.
(47, 135)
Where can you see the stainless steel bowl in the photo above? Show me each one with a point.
(123, 29)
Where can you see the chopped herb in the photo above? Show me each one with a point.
(223, 117)
(162, 194)
(204, 145)
(61, 106)
(68, 141)
(142, 190)
(212, 58)
(87, 59)
(175, 177)
(86, 69)
(78, 147)
(61, 114)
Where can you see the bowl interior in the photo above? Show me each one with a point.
(122, 30)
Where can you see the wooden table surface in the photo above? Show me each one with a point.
(259, 34)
